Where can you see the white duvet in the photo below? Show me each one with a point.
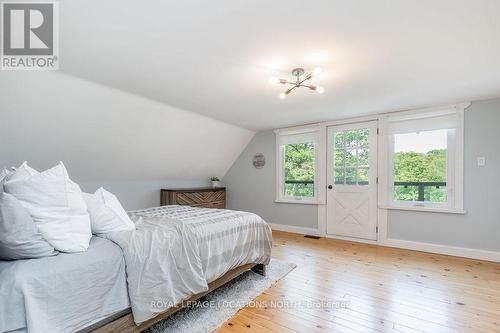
(177, 250)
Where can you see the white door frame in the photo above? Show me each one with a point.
(322, 208)
(368, 231)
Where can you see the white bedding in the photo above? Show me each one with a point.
(174, 253)
(65, 292)
(177, 250)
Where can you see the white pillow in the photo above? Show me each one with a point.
(57, 207)
(3, 174)
(86, 196)
(23, 172)
(106, 213)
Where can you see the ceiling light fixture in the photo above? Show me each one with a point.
(298, 74)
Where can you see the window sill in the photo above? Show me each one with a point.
(426, 209)
(293, 201)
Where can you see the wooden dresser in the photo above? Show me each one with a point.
(208, 197)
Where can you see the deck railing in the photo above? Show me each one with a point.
(421, 186)
(300, 187)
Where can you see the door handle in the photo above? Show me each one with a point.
(330, 187)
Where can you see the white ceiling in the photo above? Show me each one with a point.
(214, 57)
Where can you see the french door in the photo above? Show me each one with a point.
(352, 180)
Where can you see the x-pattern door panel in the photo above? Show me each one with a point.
(352, 174)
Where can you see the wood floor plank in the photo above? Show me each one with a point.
(265, 323)
(387, 290)
(441, 308)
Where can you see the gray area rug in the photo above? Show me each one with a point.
(215, 308)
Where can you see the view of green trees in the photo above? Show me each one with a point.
(408, 167)
(299, 167)
(420, 167)
(351, 161)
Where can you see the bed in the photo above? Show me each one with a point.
(65, 292)
(116, 291)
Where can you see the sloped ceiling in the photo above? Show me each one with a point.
(214, 57)
(105, 135)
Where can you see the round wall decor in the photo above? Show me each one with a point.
(259, 161)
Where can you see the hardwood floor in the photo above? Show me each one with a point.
(384, 289)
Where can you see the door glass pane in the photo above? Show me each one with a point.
(339, 140)
(339, 158)
(351, 138)
(351, 157)
(363, 137)
(350, 176)
(363, 157)
(363, 176)
(339, 175)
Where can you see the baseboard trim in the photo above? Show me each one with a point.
(294, 229)
(443, 249)
(456, 251)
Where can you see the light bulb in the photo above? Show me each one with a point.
(282, 95)
(320, 90)
(274, 80)
(317, 71)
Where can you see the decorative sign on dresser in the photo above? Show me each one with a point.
(208, 197)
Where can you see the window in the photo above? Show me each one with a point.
(351, 162)
(425, 160)
(297, 166)
(420, 166)
(299, 170)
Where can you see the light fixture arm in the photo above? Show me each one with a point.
(298, 73)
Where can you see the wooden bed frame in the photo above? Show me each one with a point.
(124, 323)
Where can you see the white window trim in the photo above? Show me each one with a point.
(454, 172)
(319, 165)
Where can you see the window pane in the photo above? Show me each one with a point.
(420, 166)
(435, 194)
(339, 175)
(363, 176)
(299, 170)
(350, 176)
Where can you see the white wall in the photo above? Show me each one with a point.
(106, 136)
(254, 190)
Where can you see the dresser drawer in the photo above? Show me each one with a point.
(195, 197)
